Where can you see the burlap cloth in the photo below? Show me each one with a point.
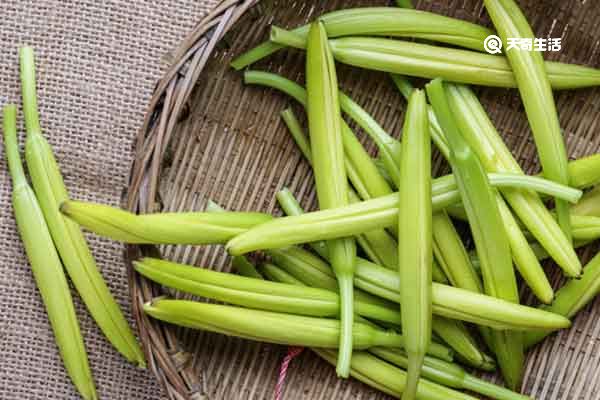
(97, 65)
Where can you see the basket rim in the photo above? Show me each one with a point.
(172, 90)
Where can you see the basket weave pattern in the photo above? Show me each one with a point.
(207, 136)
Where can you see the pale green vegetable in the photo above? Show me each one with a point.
(479, 200)
(46, 266)
(452, 255)
(318, 273)
(456, 335)
(373, 377)
(470, 120)
(364, 216)
(454, 259)
(361, 170)
(377, 244)
(447, 301)
(244, 267)
(267, 326)
(571, 298)
(295, 129)
(389, 148)
(454, 65)
(437, 369)
(280, 275)
(585, 172)
(450, 375)
(256, 293)
(452, 332)
(589, 204)
(392, 380)
(161, 228)
(325, 130)
(382, 21)
(415, 253)
(67, 236)
(276, 274)
(405, 3)
(406, 88)
(536, 92)
(483, 137)
(394, 23)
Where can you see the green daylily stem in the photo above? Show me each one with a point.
(328, 154)
(452, 255)
(576, 293)
(316, 272)
(571, 298)
(481, 134)
(290, 206)
(280, 275)
(454, 65)
(456, 335)
(349, 220)
(383, 21)
(72, 247)
(389, 147)
(540, 185)
(28, 89)
(370, 379)
(415, 254)
(447, 246)
(267, 326)
(11, 147)
(538, 99)
(161, 228)
(585, 172)
(276, 274)
(405, 88)
(256, 293)
(588, 204)
(524, 258)
(447, 301)
(452, 332)
(295, 129)
(394, 23)
(46, 266)
(393, 379)
(377, 244)
(492, 244)
(450, 374)
(372, 375)
(456, 303)
(362, 171)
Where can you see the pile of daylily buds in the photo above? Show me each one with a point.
(378, 281)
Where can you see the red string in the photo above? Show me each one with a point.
(292, 352)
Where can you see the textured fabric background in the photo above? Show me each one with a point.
(97, 65)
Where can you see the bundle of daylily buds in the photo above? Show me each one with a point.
(378, 281)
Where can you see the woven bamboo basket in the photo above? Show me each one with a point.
(207, 136)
